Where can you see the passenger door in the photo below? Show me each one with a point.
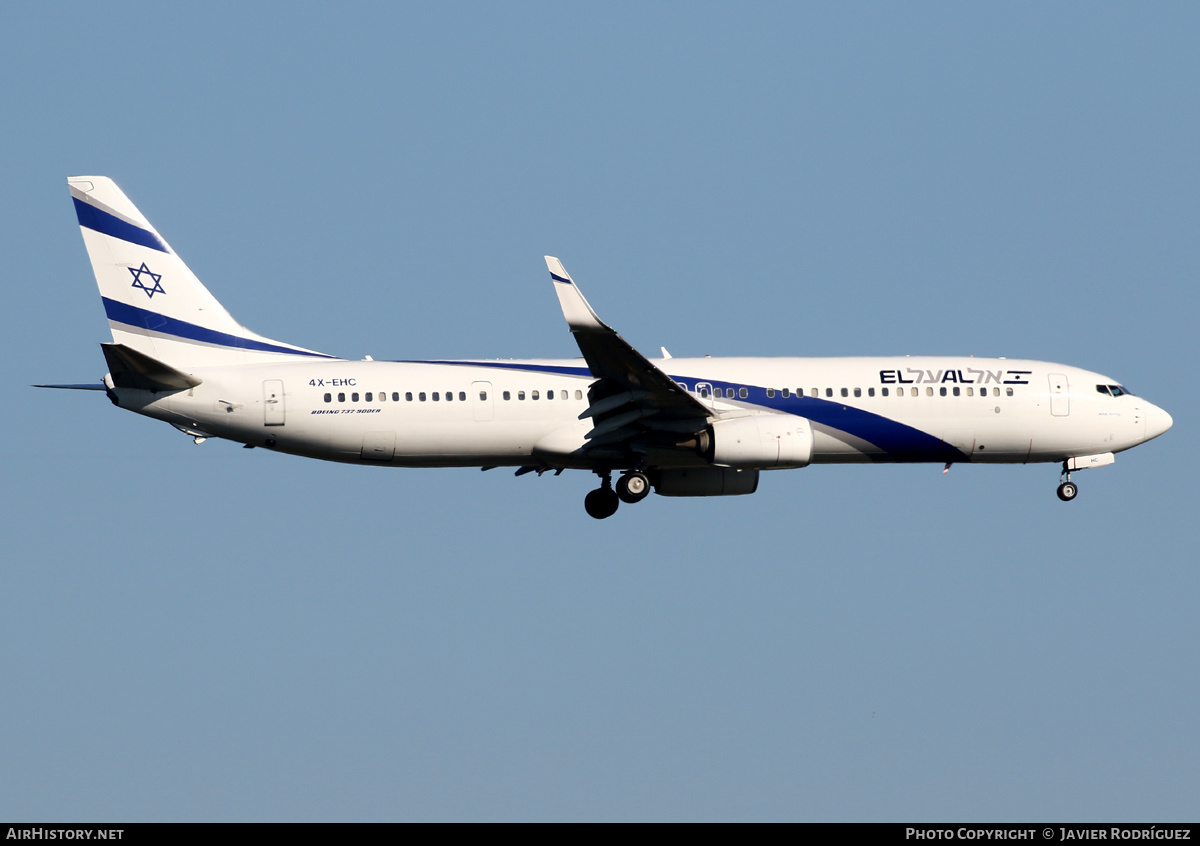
(273, 410)
(1060, 400)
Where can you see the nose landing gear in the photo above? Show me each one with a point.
(1067, 490)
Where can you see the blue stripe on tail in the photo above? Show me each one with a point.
(155, 322)
(93, 218)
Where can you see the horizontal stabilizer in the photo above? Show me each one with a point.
(132, 369)
(93, 386)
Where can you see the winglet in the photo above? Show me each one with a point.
(580, 316)
(624, 372)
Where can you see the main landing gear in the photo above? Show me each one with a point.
(1067, 490)
(633, 486)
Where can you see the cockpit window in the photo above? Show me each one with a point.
(1102, 389)
(1118, 390)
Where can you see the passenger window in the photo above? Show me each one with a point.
(341, 397)
(407, 396)
(956, 391)
(483, 396)
(829, 392)
(520, 395)
(929, 392)
(533, 395)
(786, 393)
(995, 392)
(814, 392)
(858, 392)
(1008, 391)
(367, 397)
(506, 395)
(743, 393)
(329, 398)
(883, 392)
(436, 396)
(396, 396)
(704, 393)
(770, 393)
(970, 392)
(845, 392)
(354, 397)
(942, 390)
(383, 396)
(421, 396)
(578, 394)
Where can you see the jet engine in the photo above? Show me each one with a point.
(762, 441)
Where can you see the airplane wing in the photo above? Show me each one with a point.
(633, 403)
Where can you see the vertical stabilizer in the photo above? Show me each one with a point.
(155, 304)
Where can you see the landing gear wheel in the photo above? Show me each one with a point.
(1067, 491)
(601, 503)
(633, 487)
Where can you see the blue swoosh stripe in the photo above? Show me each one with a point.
(536, 368)
(155, 322)
(93, 218)
(898, 440)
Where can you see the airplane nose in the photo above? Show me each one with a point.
(1157, 421)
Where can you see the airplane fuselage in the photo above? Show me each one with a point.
(525, 412)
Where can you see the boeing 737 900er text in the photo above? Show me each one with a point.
(679, 426)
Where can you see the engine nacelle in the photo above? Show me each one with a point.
(706, 481)
(761, 441)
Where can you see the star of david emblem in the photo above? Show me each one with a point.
(139, 281)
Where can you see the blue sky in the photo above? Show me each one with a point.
(211, 633)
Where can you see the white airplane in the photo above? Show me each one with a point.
(680, 426)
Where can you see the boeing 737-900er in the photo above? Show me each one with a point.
(680, 426)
